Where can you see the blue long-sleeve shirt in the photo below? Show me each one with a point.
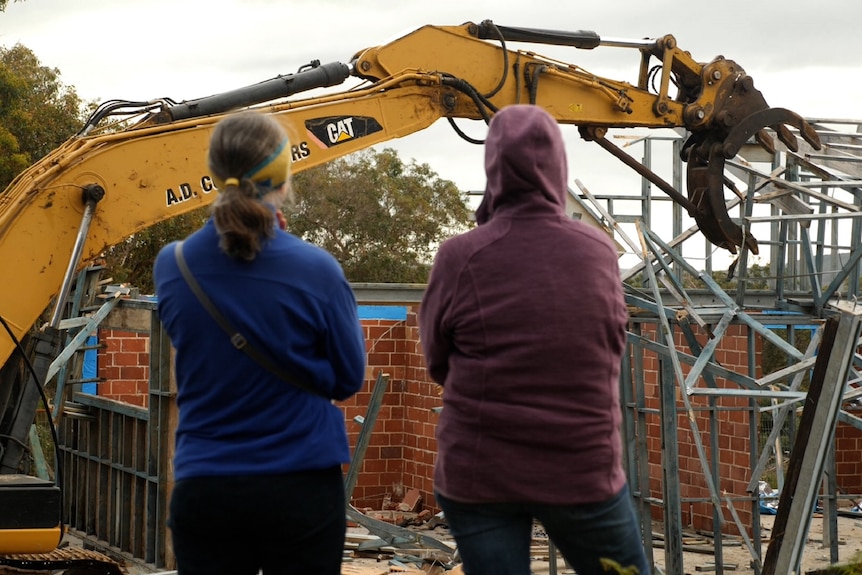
(295, 305)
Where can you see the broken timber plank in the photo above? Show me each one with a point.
(364, 569)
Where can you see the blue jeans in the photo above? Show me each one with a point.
(280, 524)
(494, 538)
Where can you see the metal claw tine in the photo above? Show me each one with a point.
(786, 137)
(766, 142)
(810, 135)
(734, 233)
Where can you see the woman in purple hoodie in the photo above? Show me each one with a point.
(524, 325)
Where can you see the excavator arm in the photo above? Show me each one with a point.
(125, 181)
(109, 182)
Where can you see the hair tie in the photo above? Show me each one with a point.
(231, 182)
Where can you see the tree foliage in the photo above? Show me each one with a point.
(37, 111)
(131, 261)
(756, 278)
(381, 218)
(37, 114)
(4, 3)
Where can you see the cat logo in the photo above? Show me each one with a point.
(336, 130)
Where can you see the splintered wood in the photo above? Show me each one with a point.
(383, 568)
(356, 569)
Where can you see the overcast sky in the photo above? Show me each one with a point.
(803, 55)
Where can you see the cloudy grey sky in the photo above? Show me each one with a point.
(803, 55)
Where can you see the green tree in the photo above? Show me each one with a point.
(4, 3)
(37, 111)
(131, 261)
(12, 159)
(757, 278)
(381, 218)
(37, 114)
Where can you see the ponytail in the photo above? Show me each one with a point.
(248, 158)
(242, 221)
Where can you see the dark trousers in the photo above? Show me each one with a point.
(494, 538)
(278, 524)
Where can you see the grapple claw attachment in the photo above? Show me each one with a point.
(705, 173)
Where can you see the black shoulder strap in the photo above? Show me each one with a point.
(236, 338)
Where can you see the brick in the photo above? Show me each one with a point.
(138, 372)
(412, 500)
(112, 344)
(109, 372)
(391, 452)
(135, 344)
(393, 425)
(124, 358)
(124, 387)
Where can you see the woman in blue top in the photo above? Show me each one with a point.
(258, 460)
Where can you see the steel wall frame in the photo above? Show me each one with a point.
(813, 240)
(115, 457)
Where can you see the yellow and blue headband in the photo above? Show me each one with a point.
(269, 174)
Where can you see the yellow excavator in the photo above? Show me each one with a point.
(134, 164)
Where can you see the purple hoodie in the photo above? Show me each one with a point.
(524, 324)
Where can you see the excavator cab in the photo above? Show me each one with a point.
(31, 521)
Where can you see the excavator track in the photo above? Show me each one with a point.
(69, 561)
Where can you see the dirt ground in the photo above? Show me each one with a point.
(737, 557)
(814, 557)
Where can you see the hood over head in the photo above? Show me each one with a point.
(525, 162)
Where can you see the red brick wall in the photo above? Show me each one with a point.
(382, 469)
(402, 449)
(124, 366)
(422, 400)
(401, 452)
(848, 457)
